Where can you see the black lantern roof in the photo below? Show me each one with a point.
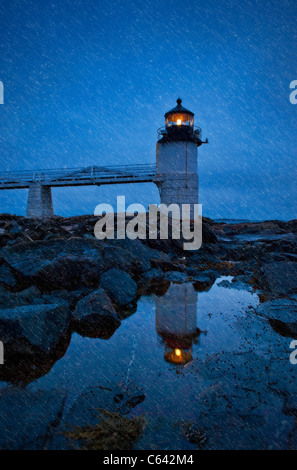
(179, 109)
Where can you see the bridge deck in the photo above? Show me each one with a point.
(94, 175)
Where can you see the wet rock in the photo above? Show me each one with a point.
(69, 273)
(166, 246)
(192, 271)
(138, 251)
(177, 245)
(7, 278)
(27, 296)
(156, 286)
(289, 330)
(117, 257)
(29, 418)
(286, 242)
(11, 279)
(238, 282)
(3, 293)
(277, 278)
(119, 285)
(154, 273)
(164, 264)
(33, 295)
(57, 264)
(208, 234)
(284, 309)
(200, 257)
(95, 315)
(21, 367)
(15, 228)
(150, 281)
(176, 276)
(249, 251)
(71, 297)
(127, 311)
(292, 225)
(33, 328)
(204, 281)
(275, 256)
(262, 228)
(225, 283)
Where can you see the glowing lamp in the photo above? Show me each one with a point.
(179, 116)
(178, 356)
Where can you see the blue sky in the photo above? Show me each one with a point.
(88, 83)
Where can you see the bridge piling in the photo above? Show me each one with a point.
(39, 201)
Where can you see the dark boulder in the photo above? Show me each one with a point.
(120, 258)
(31, 329)
(24, 364)
(57, 264)
(70, 297)
(288, 330)
(31, 295)
(165, 264)
(137, 252)
(120, 286)
(152, 282)
(276, 278)
(95, 316)
(11, 279)
(7, 278)
(204, 281)
(208, 234)
(69, 272)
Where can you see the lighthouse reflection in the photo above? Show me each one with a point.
(176, 313)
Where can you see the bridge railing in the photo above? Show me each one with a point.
(75, 174)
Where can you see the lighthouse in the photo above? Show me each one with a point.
(176, 157)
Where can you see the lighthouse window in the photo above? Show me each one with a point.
(179, 119)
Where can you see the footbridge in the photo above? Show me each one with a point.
(40, 182)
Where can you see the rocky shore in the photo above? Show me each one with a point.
(55, 275)
(57, 278)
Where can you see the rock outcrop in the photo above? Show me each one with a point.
(33, 329)
(95, 316)
(120, 286)
(277, 278)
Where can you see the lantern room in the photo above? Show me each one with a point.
(179, 126)
(179, 116)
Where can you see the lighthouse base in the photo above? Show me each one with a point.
(179, 188)
(177, 165)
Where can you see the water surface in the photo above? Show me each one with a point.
(196, 358)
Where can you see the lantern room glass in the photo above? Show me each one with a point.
(179, 119)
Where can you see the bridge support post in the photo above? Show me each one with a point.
(39, 201)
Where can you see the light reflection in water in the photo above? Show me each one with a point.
(176, 322)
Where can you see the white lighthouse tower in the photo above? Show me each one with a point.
(176, 157)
